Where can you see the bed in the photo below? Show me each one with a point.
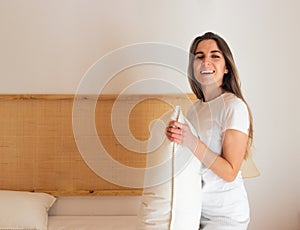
(92, 222)
(107, 213)
(39, 154)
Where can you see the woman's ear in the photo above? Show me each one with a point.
(226, 70)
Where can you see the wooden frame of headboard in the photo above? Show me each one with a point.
(38, 151)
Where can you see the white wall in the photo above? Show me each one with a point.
(47, 47)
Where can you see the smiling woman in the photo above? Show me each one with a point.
(223, 124)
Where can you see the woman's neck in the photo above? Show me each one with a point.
(211, 92)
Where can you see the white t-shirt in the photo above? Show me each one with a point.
(211, 119)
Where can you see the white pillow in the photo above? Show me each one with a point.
(24, 210)
(171, 198)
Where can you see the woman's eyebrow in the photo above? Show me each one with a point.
(213, 51)
(216, 51)
(199, 52)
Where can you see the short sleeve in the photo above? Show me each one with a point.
(237, 117)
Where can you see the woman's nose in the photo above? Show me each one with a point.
(205, 63)
(206, 60)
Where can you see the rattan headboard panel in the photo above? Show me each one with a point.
(38, 151)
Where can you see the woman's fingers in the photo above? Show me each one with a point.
(172, 129)
(176, 124)
(181, 134)
(174, 132)
(175, 139)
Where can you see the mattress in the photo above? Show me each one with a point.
(92, 222)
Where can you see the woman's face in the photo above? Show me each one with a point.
(209, 63)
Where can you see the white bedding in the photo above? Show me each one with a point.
(92, 222)
(94, 213)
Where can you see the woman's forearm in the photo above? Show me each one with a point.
(214, 162)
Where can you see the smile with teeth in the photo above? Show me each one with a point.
(207, 72)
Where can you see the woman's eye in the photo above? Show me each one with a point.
(215, 56)
(199, 57)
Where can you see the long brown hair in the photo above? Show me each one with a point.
(231, 82)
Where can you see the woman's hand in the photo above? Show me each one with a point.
(181, 134)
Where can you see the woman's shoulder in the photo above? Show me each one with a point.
(232, 99)
(233, 102)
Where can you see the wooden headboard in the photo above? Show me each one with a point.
(38, 151)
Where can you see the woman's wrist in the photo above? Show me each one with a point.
(205, 155)
(193, 145)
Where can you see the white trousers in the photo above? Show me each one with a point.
(225, 210)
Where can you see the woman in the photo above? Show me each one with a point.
(224, 125)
